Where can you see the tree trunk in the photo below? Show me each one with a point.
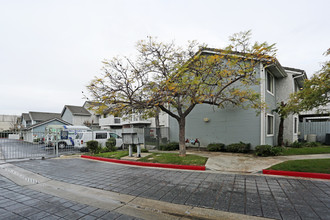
(158, 134)
(280, 132)
(182, 136)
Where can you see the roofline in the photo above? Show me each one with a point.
(44, 122)
(277, 64)
(82, 114)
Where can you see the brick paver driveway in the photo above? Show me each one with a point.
(18, 202)
(272, 197)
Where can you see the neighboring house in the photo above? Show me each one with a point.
(108, 121)
(76, 115)
(32, 118)
(316, 115)
(94, 118)
(36, 131)
(8, 122)
(231, 125)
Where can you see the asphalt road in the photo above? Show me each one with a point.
(254, 195)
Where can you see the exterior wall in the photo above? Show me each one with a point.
(284, 87)
(227, 126)
(38, 132)
(79, 120)
(67, 116)
(270, 99)
(7, 122)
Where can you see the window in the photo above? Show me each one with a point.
(117, 120)
(114, 135)
(101, 136)
(64, 135)
(295, 125)
(270, 83)
(270, 125)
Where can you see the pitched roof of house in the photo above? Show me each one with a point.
(47, 121)
(26, 116)
(76, 110)
(43, 116)
(275, 67)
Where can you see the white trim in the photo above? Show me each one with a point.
(263, 99)
(270, 135)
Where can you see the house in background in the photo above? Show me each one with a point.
(33, 124)
(8, 122)
(76, 115)
(32, 118)
(232, 125)
(36, 131)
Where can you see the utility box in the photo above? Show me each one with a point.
(133, 135)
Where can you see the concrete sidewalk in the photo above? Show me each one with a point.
(247, 163)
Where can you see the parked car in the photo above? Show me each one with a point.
(99, 136)
(62, 135)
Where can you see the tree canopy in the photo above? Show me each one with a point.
(315, 93)
(176, 79)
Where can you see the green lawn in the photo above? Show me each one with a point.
(174, 158)
(311, 166)
(306, 150)
(115, 155)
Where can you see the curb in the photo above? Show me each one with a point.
(136, 163)
(297, 174)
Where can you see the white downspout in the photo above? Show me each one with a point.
(263, 99)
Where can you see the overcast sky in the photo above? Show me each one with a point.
(50, 50)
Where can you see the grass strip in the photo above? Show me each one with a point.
(174, 158)
(114, 155)
(310, 166)
(306, 150)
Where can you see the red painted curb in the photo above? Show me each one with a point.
(172, 166)
(298, 174)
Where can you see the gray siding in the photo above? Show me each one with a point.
(67, 116)
(226, 126)
(270, 99)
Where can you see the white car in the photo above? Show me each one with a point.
(100, 136)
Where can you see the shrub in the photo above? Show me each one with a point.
(111, 144)
(267, 150)
(169, 146)
(143, 150)
(93, 146)
(216, 147)
(312, 144)
(238, 148)
(296, 144)
(84, 149)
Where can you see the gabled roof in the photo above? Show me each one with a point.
(47, 121)
(76, 110)
(43, 116)
(26, 116)
(276, 68)
(298, 75)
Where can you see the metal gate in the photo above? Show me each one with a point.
(27, 145)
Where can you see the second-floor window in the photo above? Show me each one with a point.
(270, 83)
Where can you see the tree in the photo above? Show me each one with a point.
(316, 93)
(176, 80)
